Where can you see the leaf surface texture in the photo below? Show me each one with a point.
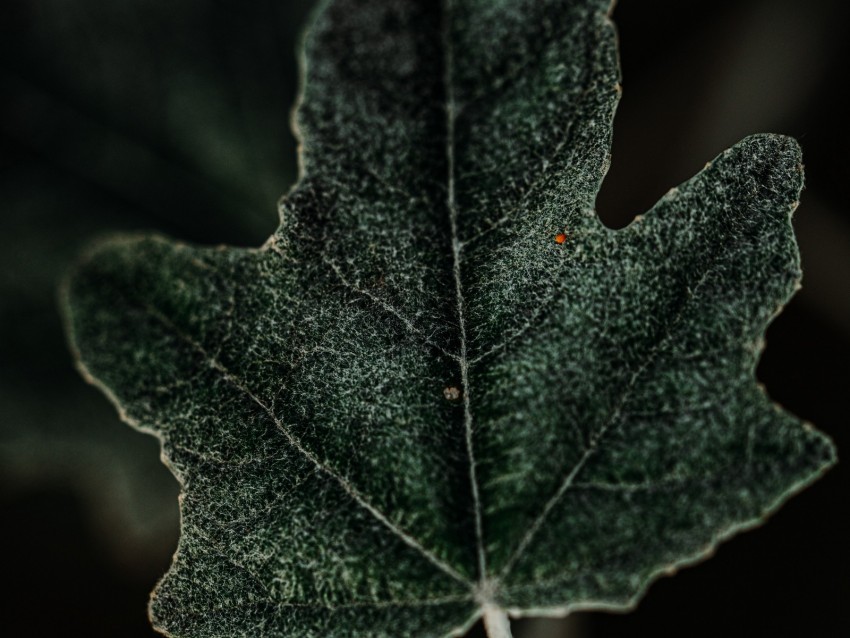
(443, 384)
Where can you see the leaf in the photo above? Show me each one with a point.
(443, 388)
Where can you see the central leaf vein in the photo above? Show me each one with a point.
(451, 204)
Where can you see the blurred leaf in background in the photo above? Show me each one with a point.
(118, 115)
(174, 116)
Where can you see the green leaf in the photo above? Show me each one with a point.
(443, 388)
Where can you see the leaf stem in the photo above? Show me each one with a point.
(496, 623)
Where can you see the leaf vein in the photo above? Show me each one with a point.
(347, 487)
(451, 204)
(615, 415)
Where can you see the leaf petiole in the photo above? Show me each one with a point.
(496, 623)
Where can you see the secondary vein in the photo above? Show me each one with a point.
(610, 422)
(347, 487)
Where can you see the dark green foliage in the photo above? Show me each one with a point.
(413, 403)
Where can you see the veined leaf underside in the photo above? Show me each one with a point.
(443, 389)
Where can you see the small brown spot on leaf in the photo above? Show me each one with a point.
(451, 393)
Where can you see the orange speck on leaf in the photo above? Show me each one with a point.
(560, 238)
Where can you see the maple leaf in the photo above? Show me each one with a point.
(443, 389)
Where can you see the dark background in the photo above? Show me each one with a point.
(172, 115)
